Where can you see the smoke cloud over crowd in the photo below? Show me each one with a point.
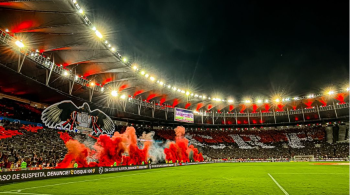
(127, 149)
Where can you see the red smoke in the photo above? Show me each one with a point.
(120, 148)
(77, 152)
(231, 107)
(110, 150)
(187, 105)
(179, 150)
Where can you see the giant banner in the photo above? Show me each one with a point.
(66, 115)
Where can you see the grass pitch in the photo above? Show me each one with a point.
(220, 178)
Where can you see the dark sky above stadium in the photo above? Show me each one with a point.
(236, 48)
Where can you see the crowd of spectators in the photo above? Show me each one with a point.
(20, 111)
(43, 147)
(264, 144)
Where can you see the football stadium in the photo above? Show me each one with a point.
(174, 97)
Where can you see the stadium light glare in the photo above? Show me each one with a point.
(259, 101)
(134, 67)
(113, 49)
(310, 96)
(146, 75)
(196, 95)
(81, 11)
(102, 89)
(347, 89)
(19, 44)
(169, 86)
(125, 59)
(187, 93)
(74, 1)
(182, 91)
(143, 72)
(152, 78)
(114, 93)
(331, 92)
(230, 101)
(7, 30)
(161, 83)
(76, 77)
(98, 34)
(123, 96)
(174, 88)
(204, 97)
(93, 28)
(247, 101)
(92, 84)
(178, 90)
(65, 73)
(277, 100)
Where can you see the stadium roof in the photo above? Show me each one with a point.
(60, 30)
(62, 33)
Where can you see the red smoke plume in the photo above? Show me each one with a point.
(179, 150)
(120, 148)
(77, 152)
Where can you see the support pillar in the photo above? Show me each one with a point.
(335, 110)
(302, 111)
(288, 115)
(21, 61)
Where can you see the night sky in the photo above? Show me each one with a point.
(237, 48)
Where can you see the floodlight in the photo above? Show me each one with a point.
(19, 44)
(330, 92)
(65, 73)
(114, 93)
